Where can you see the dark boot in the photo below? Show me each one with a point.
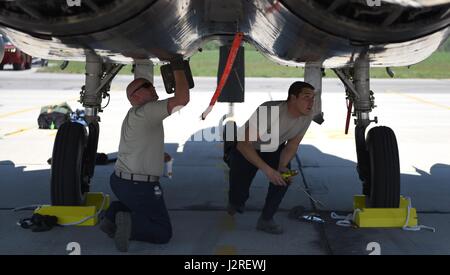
(108, 227)
(269, 226)
(232, 209)
(123, 231)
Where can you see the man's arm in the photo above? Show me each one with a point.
(289, 152)
(181, 97)
(248, 151)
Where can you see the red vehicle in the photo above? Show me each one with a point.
(14, 56)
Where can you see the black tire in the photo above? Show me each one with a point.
(90, 155)
(363, 166)
(18, 66)
(67, 165)
(1, 67)
(384, 168)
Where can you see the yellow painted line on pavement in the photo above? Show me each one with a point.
(18, 112)
(226, 222)
(222, 165)
(53, 133)
(418, 99)
(225, 250)
(32, 108)
(19, 131)
(310, 135)
(339, 134)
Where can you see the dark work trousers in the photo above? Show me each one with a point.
(242, 173)
(145, 202)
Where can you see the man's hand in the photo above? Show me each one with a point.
(283, 169)
(274, 176)
(177, 63)
(181, 97)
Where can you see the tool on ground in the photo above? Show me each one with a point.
(313, 217)
(299, 213)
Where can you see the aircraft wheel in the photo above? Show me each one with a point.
(90, 155)
(68, 165)
(19, 66)
(384, 168)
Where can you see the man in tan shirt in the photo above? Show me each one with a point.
(141, 214)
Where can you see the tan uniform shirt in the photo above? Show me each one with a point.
(141, 148)
(275, 125)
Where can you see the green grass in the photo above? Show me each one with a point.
(436, 66)
(205, 63)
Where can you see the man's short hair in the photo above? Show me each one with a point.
(297, 87)
(134, 86)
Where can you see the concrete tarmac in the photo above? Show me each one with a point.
(417, 110)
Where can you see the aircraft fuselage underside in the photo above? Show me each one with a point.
(348, 36)
(289, 32)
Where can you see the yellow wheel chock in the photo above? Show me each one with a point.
(383, 217)
(86, 215)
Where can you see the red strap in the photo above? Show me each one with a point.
(226, 72)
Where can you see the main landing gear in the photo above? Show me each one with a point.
(75, 147)
(378, 159)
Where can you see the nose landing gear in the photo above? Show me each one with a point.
(377, 154)
(75, 147)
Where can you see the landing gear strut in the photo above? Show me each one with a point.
(378, 160)
(313, 76)
(75, 147)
